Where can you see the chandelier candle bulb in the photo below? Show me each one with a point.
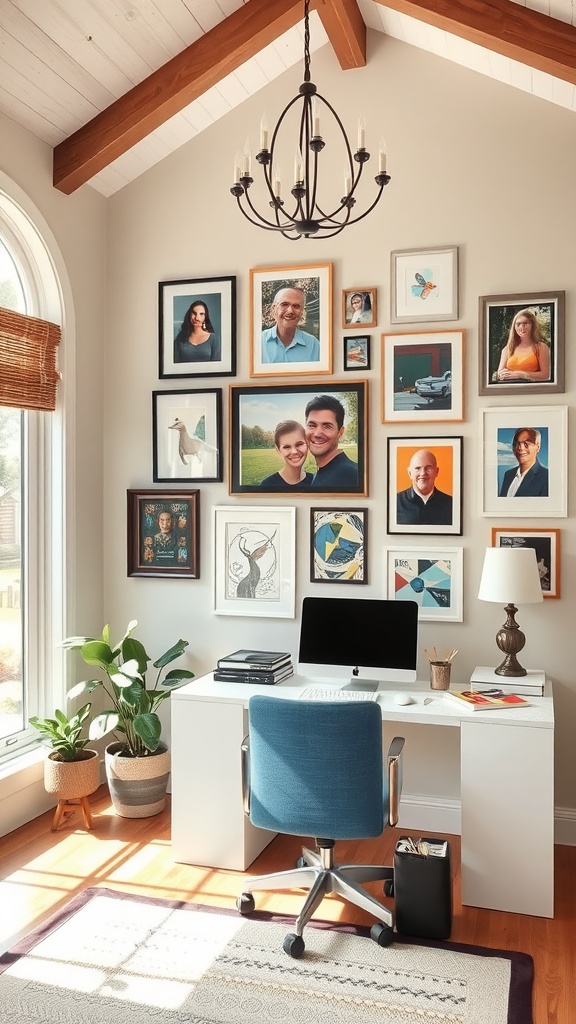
(347, 184)
(264, 132)
(298, 168)
(236, 168)
(316, 120)
(382, 158)
(277, 187)
(246, 161)
(362, 133)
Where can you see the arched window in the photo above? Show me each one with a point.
(32, 497)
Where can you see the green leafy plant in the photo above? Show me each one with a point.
(63, 733)
(133, 711)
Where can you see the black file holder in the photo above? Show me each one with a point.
(423, 890)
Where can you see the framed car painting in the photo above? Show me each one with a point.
(425, 485)
(255, 561)
(430, 576)
(524, 471)
(197, 327)
(424, 285)
(423, 377)
(522, 344)
(546, 544)
(291, 320)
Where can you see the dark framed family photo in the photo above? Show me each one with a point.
(522, 343)
(425, 485)
(299, 438)
(163, 534)
(291, 320)
(197, 327)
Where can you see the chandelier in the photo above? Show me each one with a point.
(308, 218)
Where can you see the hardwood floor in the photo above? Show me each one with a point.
(40, 871)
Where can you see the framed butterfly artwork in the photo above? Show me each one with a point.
(424, 284)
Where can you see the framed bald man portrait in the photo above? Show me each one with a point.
(425, 485)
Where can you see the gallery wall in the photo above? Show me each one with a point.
(474, 165)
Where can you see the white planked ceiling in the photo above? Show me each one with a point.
(64, 61)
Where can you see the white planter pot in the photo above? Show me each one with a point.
(137, 784)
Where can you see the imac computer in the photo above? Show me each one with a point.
(362, 642)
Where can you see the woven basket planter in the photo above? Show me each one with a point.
(137, 784)
(72, 780)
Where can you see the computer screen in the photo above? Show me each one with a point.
(358, 638)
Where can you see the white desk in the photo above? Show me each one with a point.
(506, 788)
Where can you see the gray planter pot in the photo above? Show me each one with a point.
(137, 784)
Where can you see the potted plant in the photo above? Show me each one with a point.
(137, 763)
(71, 770)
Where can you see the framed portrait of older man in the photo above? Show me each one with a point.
(425, 485)
(524, 470)
(291, 320)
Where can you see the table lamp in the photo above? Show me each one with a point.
(510, 576)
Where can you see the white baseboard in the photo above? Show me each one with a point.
(434, 814)
(565, 826)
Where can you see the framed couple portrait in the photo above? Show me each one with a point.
(423, 377)
(521, 344)
(299, 439)
(424, 285)
(197, 327)
(163, 534)
(546, 544)
(359, 307)
(425, 485)
(291, 320)
(524, 471)
(430, 576)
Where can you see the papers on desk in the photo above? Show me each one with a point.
(485, 700)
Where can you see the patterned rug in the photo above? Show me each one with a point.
(121, 959)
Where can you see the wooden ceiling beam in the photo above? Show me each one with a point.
(346, 30)
(507, 28)
(167, 91)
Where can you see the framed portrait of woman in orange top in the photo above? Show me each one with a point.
(522, 343)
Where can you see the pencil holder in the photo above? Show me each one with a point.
(440, 675)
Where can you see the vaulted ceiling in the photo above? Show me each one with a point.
(116, 85)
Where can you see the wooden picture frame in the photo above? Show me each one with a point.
(187, 435)
(255, 561)
(359, 307)
(431, 576)
(423, 377)
(424, 284)
(257, 410)
(164, 534)
(497, 314)
(310, 351)
(546, 544)
(215, 353)
(541, 433)
(425, 462)
(338, 545)
(356, 352)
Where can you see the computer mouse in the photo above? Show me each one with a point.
(403, 698)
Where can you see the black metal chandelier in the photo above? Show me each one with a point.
(308, 218)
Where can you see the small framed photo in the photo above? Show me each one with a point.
(338, 545)
(430, 576)
(187, 435)
(525, 469)
(423, 377)
(522, 344)
(546, 544)
(197, 327)
(299, 439)
(359, 307)
(255, 561)
(425, 485)
(424, 285)
(291, 320)
(357, 352)
(163, 534)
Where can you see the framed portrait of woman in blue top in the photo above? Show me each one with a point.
(197, 328)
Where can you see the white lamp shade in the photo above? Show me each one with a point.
(510, 576)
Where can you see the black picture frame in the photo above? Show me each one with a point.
(256, 410)
(175, 300)
(356, 352)
(187, 436)
(163, 534)
(447, 518)
(339, 545)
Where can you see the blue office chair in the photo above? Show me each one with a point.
(315, 768)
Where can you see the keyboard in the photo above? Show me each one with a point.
(318, 693)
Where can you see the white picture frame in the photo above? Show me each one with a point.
(424, 285)
(431, 576)
(255, 561)
(497, 428)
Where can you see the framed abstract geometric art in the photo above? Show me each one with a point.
(431, 576)
(338, 539)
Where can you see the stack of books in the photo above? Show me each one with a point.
(266, 667)
(530, 685)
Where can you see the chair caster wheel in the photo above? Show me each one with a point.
(382, 934)
(293, 945)
(245, 903)
(389, 887)
(301, 862)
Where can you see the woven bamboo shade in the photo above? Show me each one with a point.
(28, 374)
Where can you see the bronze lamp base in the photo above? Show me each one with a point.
(510, 640)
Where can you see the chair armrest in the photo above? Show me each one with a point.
(245, 755)
(394, 769)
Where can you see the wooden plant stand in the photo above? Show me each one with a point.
(65, 808)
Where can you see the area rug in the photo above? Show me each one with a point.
(122, 959)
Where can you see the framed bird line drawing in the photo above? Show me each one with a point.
(163, 534)
(187, 435)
